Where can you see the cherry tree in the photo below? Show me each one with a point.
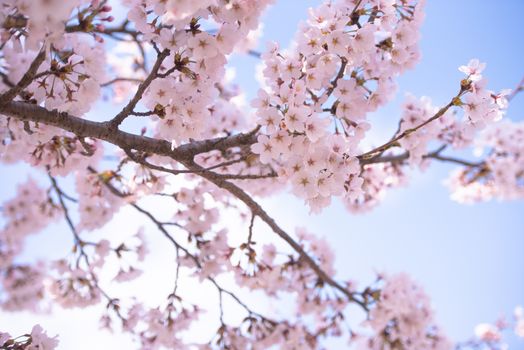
(206, 157)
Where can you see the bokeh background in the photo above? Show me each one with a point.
(469, 258)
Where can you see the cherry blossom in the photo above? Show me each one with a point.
(403, 315)
(500, 175)
(185, 139)
(473, 69)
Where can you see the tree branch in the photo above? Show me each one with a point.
(86, 128)
(179, 247)
(432, 155)
(516, 90)
(340, 75)
(409, 131)
(257, 210)
(123, 79)
(124, 113)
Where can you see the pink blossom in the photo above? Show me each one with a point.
(487, 332)
(40, 340)
(473, 69)
(203, 45)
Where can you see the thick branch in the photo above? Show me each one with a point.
(86, 128)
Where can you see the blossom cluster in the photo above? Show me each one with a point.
(69, 77)
(23, 286)
(162, 327)
(27, 213)
(481, 107)
(501, 174)
(403, 317)
(96, 203)
(185, 96)
(491, 335)
(313, 112)
(40, 20)
(47, 148)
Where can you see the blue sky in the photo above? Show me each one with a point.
(469, 258)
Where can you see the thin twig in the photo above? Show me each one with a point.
(393, 142)
(121, 79)
(178, 246)
(126, 111)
